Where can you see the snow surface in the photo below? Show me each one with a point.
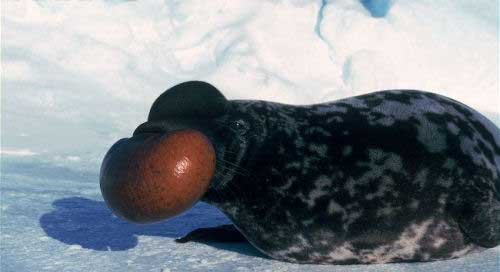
(79, 74)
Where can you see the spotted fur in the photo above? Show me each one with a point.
(391, 176)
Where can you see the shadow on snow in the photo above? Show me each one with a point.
(90, 224)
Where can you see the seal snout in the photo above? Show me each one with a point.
(154, 176)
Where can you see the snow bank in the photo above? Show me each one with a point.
(84, 73)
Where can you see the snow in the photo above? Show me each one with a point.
(79, 74)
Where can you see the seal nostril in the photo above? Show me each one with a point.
(151, 127)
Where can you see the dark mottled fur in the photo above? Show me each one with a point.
(391, 176)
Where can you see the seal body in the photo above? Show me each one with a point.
(391, 176)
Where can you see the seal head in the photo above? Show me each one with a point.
(188, 149)
(166, 166)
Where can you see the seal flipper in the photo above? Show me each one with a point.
(219, 234)
(480, 221)
(192, 99)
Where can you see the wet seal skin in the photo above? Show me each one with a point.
(390, 176)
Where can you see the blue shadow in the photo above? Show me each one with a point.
(377, 8)
(90, 224)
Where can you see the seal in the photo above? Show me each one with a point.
(390, 176)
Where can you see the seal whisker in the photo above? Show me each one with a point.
(229, 170)
(240, 169)
(235, 190)
(228, 192)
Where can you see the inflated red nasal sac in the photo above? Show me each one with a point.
(151, 177)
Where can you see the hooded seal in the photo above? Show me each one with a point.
(390, 176)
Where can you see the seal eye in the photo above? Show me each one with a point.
(240, 126)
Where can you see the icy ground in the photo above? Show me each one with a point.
(79, 74)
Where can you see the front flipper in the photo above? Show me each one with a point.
(219, 234)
